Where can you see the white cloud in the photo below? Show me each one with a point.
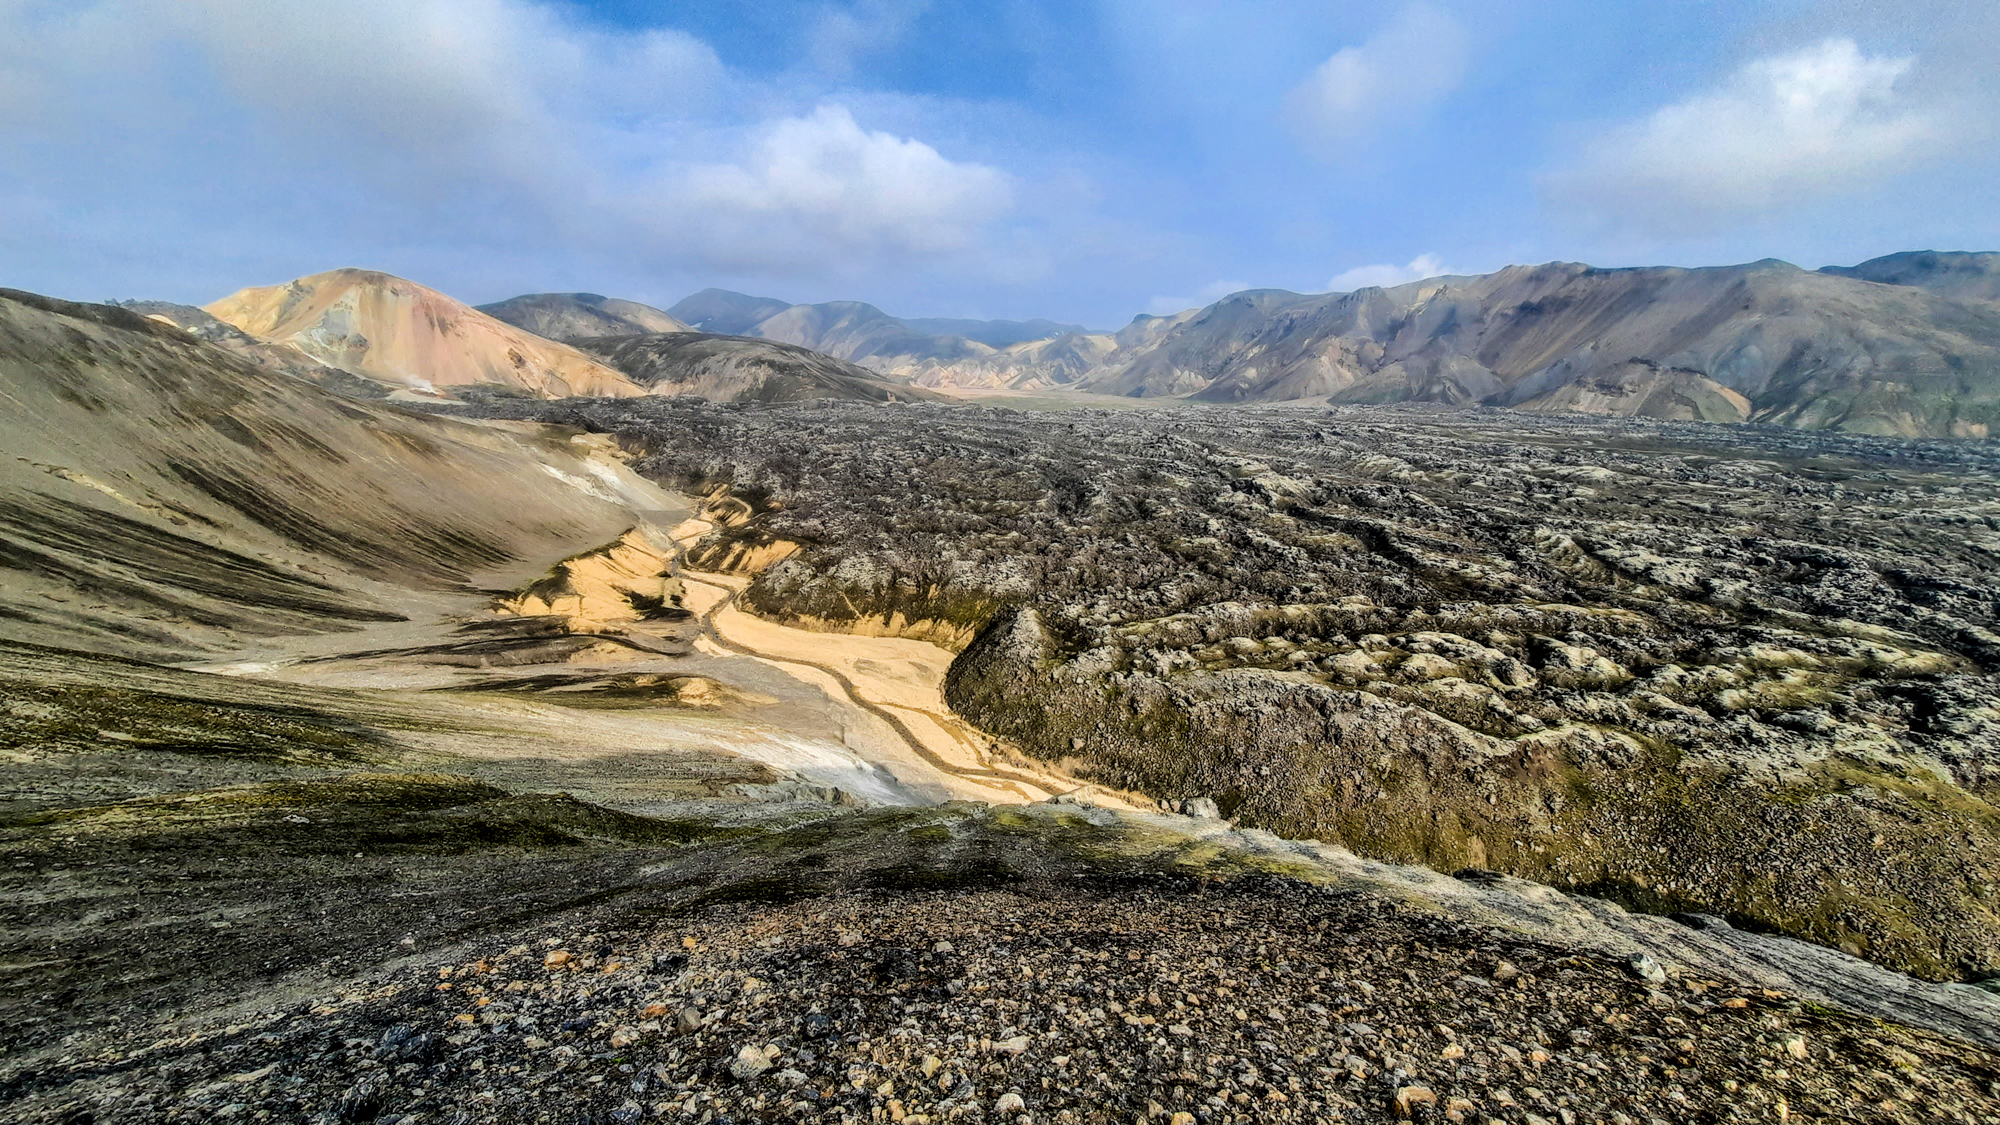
(1207, 295)
(822, 179)
(1784, 130)
(1386, 274)
(512, 123)
(1411, 63)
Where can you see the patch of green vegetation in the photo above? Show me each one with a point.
(38, 717)
(775, 890)
(378, 813)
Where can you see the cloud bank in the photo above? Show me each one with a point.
(465, 122)
(1785, 130)
(1412, 63)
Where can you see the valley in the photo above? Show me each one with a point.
(669, 733)
(876, 562)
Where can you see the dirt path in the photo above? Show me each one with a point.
(1026, 787)
(898, 682)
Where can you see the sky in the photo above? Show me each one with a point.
(1085, 160)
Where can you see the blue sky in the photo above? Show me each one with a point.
(1085, 161)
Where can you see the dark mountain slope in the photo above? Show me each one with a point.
(725, 313)
(573, 316)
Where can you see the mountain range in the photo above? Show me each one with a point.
(367, 334)
(1907, 344)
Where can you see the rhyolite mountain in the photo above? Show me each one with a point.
(407, 335)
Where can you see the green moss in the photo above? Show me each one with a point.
(44, 718)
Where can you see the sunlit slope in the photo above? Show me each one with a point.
(398, 332)
(162, 495)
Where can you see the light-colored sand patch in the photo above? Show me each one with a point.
(896, 688)
(612, 586)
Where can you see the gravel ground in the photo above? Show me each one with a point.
(1086, 999)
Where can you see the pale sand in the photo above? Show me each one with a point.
(893, 686)
(863, 714)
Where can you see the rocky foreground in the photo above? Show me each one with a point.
(1093, 999)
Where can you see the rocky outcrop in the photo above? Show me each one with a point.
(1801, 851)
(863, 596)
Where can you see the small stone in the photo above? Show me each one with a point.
(689, 1021)
(942, 947)
(628, 1111)
(1408, 1098)
(1795, 1046)
(1505, 972)
(1452, 1051)
(1204, 808)
(622, 1037)
(752, 1061)
(1181, 1118)
(1018, 1045)
(556, 959)
(1009, 1102)
(653, 1011)
(931, 1064)
(1643, 966)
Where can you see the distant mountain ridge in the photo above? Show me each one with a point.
(577, 316)
(860, 332)
(1907, 344)
(1953, 274)
(742, 369)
